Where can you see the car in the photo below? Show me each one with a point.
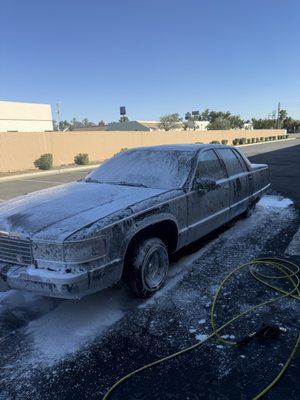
(124, 219)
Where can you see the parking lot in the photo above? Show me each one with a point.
(76, 349)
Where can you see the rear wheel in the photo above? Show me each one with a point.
(148, 267)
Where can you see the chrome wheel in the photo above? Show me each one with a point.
(155, 267)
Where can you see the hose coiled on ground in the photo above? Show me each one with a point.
(286, 270)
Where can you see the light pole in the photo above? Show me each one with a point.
(58, 113)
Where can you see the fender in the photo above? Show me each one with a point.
(143, 223)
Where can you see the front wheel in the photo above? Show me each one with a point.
(148, 267)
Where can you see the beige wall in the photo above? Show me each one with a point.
(25, 117)
(19, 150)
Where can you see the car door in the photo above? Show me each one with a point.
(239, 181)
(208, 209)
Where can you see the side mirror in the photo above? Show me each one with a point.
(205, 184)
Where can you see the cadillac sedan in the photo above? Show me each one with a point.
(124, 219)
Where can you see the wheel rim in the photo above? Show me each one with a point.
(155, 267)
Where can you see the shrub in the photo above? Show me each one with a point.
(198, 142)
(44, 162)
(256, 140)
(224, 141)
(253, 140)
(82, 159)
(215, 142)
(242, 141)
(286, 136)
(262, 139)
(235, 141)
(248, 141)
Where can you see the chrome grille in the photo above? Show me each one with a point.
(15, 250)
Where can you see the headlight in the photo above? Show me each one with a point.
(84, 250)
(70, 252)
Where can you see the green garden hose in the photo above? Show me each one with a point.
(285, 270)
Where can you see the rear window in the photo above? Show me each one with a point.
(209, 166)
(232, 163)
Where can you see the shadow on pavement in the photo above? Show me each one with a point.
(285, 170)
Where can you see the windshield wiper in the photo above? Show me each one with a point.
(123, 183)
(91, 180)
(128, 184)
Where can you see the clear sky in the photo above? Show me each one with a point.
(154, 56)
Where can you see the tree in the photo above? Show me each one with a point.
(101, 123)
(282, 115)
(211, 116)
(264, 123)
(64, 125)
(123, 118)
(291, 125)
(219, 123)
(170, 121)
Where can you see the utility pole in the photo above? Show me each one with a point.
(278, 112)
(58, 113)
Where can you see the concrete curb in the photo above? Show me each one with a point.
(44, 173)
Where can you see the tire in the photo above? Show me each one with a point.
(250, 210)
(148, 267)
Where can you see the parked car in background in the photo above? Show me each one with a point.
(124, 219)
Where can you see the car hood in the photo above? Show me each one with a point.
(57, 212)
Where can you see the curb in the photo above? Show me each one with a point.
(43, 173)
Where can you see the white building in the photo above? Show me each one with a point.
(25, 117)
(197, 125)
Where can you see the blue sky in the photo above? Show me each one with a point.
(154, 56)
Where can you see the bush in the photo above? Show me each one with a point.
(235, 141)
(224, 141)
(253, 140)
(44, 162)
(248, 141)
(215, 142)
(82, 159)
(242, 141)
(262, 139)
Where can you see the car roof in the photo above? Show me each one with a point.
(181, 147)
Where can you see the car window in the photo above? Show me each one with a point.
(241, 160)
(231, 161)
(209, 166)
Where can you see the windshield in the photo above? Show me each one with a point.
(157, 169)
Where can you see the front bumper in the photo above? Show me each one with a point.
(58, 284)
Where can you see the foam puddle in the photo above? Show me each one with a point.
(73, 325)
